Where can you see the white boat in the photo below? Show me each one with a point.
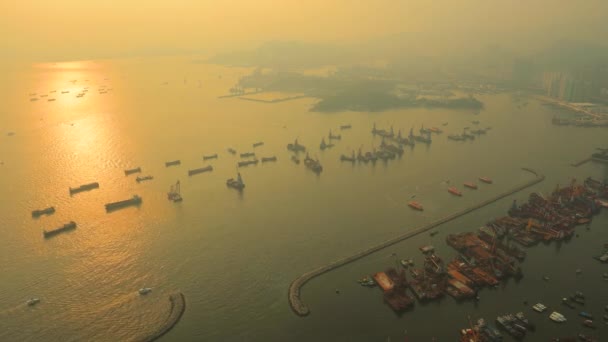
(557, 317)
(539, 307)
(145, 290)
(32, 301)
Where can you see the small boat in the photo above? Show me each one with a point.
(144, 178)
(557, 317)
(132, 171)
(585, 315)
(51, 100)
(144, 290)
(34, 99)
(65, 92)
(269, 159)
(334, 136)
(435, 130)
(84, 187)
(46, 211)
(66, 227)
(583, 337)
(32, 301)
(247, 154)
(485, 180)
(296, 147)
(236, 183)
(346, 126)
(404, 263)
(589, 324)
(259, 143)
(231, 151)
(433, 233)
(538, 307)
(475, 122)
(173, 163)
(295, 159)
(444, 124)
(427, 249)
(415, 205)
(454, 191)
(471, 185)
(247, 162)
(211, 156)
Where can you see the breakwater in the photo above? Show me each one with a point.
(294, 294)
(178, 306)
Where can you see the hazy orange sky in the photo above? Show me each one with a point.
(72, 29)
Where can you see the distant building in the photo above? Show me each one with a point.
(569, 86)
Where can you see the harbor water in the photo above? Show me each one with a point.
(233, 254)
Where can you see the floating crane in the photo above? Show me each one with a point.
(174, 193)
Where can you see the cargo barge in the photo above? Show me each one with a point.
(66, 227)
(211, 156)
(144, 178)
(45, 211)
(134, 201)
(269, 159)
(173, 163)
(259, 143)
(132, 171)
(248, 162)
(200, 170)
(85, 187)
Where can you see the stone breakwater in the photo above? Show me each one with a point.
(178, 306)
(295, 299)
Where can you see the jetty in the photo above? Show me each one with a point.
(294, 293)
(176, 311)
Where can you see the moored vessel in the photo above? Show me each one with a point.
(269, 159)
(45, 211)
(135, 200)
(200, 170)
(454, 191)
(144, 178)
(173, 163)
(66, 227)
(471, 185)
(415, 205)
(132, 171)
(85, 187)
(210, 156)
(486, 180)
(236, 183)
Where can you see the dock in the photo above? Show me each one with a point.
(178, 306)
(294, 293)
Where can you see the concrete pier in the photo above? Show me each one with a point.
(295, 300)
(178, 306)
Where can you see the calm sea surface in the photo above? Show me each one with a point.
(234, 255)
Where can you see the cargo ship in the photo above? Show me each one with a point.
(269, 159)
(454, 191)
(247, 154)
(248, 162)
(173, 163)
(85, 187)
(231, 151)
(132, 171)
(211, 156)
(485, 180)
(135, 200)
(200, 170)
(144, 178)
(471, 185)
(66, 227)
(236, 183)
(259, 143)
(415, 205)
(346, 126)
(46, 211)
(295, 147)
(313, 164)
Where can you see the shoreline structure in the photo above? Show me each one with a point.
(295, 300)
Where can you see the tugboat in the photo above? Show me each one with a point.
(485, 180)
(144, 290)
(313, 164)
(471, 185)
(32, 301)
(454, 191)
(415, 205)
(46, 211)
(174, 193)
(295, 147)
(435, 130)
(236, 183)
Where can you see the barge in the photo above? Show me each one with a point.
(46, 211)
(173, 163)
(132, 171)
